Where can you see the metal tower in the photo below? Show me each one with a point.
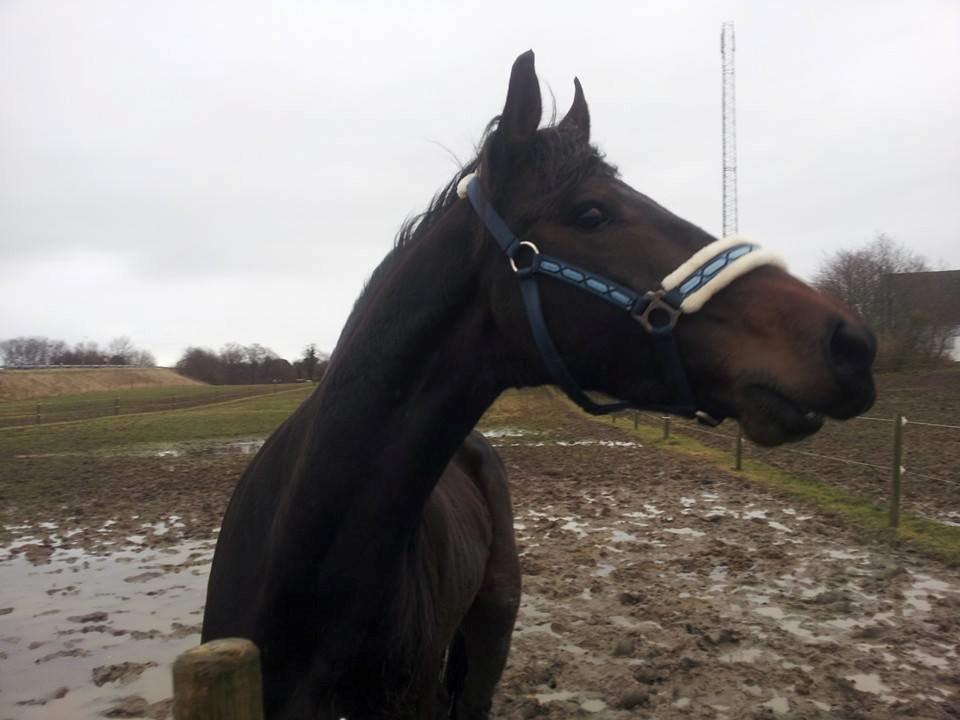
(727, 47)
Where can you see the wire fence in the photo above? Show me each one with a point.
(53, 410)
(895, 460)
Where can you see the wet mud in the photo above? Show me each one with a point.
(653, 588)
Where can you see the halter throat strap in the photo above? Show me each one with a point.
(685, 290)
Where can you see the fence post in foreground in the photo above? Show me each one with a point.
(666, 427)
(898, 422)
(739, 453)
(636, 419)
(219, 680)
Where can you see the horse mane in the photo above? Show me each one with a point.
(560, 156)
(562, 160)
(415, 226)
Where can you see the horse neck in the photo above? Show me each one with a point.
(413, 373)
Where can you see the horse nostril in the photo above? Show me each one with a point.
(852, 348)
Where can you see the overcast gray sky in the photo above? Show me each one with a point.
(193, 173)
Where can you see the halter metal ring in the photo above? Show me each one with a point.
(657, 303)
(534, 249)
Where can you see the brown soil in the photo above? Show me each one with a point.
(858, 455)
(657, 589)
(29, 384)
(653, 587)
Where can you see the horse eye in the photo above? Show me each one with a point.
(590, 217)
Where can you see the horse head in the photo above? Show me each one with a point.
(642, 305)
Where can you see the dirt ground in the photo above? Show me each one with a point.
(653, 587)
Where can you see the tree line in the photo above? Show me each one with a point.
(39, 351)
(234, 364)
(237, 364)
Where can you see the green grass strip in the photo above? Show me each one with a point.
(254, 416)
(128, 400)
(929, 536)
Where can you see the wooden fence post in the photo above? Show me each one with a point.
(666, 427)
(739, 452)
(219, 680)
(636, 419)
(898, 422)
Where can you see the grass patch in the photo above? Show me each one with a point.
(252, 416)
(126, 401)
(132, 397)
(935, 538)
(530, 409)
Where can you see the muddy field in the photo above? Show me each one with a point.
(653, 587)
(858, 455)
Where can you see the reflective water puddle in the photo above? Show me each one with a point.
(83, 632)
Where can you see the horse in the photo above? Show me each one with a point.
(368, 548)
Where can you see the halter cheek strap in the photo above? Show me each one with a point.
(683, 291)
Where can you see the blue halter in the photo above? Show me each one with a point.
(657, 311)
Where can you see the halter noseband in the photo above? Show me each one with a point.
(685, 290)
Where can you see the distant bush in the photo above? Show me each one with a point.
(242, 365)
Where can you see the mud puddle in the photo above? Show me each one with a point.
(506, 436)
(214, 447)
(83, 634)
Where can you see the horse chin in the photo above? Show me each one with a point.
(770, 417)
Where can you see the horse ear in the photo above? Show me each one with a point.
(578, 115)
(522, 111)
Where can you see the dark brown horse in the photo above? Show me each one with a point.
(368, 549)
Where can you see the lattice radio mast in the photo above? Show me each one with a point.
(727, 47)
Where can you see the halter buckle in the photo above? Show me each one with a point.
(654, 314)
(525, 269)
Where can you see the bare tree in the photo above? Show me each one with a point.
(232, 357)
(143, 358)
(277, 370)
(235, 364)
(121, 351)
(858, 277)
(40, 351)
(256, 356)
(203, 365)
(870, 279)
(22, 351)
(57, 349)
